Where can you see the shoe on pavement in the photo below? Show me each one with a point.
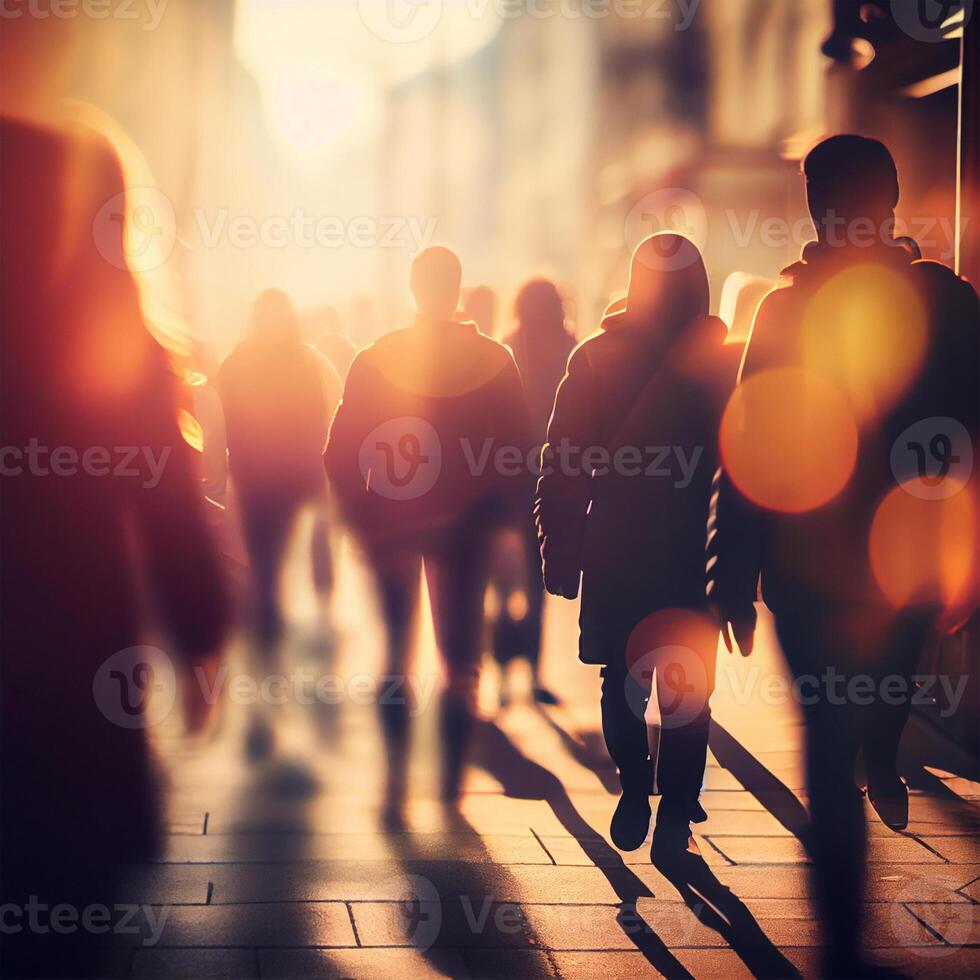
(543, 696)
(631, 821)
(890, 799)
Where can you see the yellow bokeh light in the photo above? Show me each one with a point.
(865, 330)
(922, 551)
(788, 440)
(191, 430)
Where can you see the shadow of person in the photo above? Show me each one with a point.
(453, 900)
(718, 907)
(770, 791)
(588, 749)
(711, 902)
(524, 779)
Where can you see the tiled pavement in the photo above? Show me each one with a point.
(282, 871)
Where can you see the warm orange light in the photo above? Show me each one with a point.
(922, 551)
(191, 430)
(431, 374)
(865, 330)
(788, 440)
(517, 605)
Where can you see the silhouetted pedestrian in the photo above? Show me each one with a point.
(861, 345)
(541, 346)
(623, 505)
(100, 494)
(415, 457)
(278, 396)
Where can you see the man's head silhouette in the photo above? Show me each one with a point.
(435, 282)
(849, 178)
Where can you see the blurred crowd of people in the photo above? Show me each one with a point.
(510, 467)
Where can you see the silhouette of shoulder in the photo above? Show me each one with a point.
(940, 279)
(439, 360)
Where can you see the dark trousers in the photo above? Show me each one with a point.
(520, 637)
(267, 522)
(683, 689)
(838, 725)
(456, 573)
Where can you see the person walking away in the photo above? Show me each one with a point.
(541, 345)
(632, 528)
(859, 370)
(428, 456)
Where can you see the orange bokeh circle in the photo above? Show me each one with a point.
(788, 440)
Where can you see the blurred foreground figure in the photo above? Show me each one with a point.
(541, 345)
(415, 454)
(99, 497)
(844, 488)
(278, 395)
(632, 517)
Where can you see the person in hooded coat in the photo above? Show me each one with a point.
(623, 504)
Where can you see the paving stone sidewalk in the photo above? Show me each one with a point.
(283, 870)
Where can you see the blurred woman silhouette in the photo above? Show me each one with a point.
(623, 503)
(105, 548)
(279, 396)
(541, 345)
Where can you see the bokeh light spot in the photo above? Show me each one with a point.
(922, 551)
(788, 440)
(865, 331)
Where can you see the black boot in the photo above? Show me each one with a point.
(631, 821)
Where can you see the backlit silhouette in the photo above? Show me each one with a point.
(894, 344)
(633, 528)
(81, 374)
(420, 405)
